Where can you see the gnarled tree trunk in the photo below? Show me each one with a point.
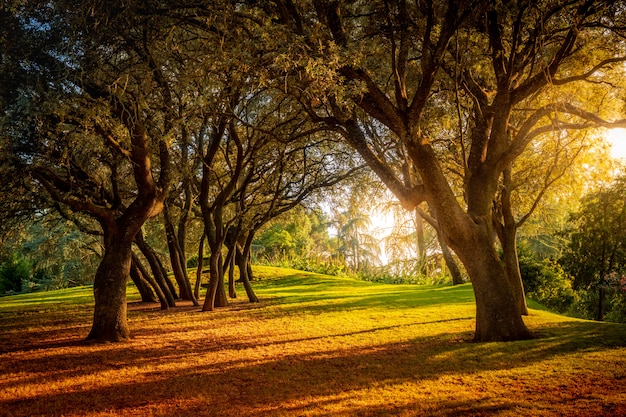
(109, 289)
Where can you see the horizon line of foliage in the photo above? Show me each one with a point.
(588, 279)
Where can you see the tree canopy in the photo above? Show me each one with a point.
(232, 113)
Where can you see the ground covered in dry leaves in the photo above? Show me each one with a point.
(314, 346)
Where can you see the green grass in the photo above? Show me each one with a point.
(315, 346)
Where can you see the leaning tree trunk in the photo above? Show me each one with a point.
(455, 272)
(155, 286)
(451, 263)
(176, 260)
(109, 288)
(229, 263)
(157, 269)
(245, 268)
(143, 286)
(421, 243)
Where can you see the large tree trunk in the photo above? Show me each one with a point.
(497, 314)
(109, 288)
(471, 237)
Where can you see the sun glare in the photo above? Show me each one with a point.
(381, 223)
(617, 139)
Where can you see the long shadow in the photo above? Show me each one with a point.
(297, 295)
(298, 380)
(301, 381)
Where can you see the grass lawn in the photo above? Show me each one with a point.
(314, 346)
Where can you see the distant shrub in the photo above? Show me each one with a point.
(13, 271)
(547, 283)
(588, 302)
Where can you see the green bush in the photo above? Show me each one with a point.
(13, 271)
(547, 283)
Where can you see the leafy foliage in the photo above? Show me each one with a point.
(547, 283)
(597, 236)
(13, 271)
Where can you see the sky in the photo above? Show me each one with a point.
(617, 139)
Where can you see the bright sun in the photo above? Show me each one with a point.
(617, 139)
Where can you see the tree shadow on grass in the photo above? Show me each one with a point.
(332, 296)
(313, 383)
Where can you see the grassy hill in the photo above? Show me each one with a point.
(314, 346)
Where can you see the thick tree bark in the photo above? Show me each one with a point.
(470, 235)
(497, 314)
(109, 288)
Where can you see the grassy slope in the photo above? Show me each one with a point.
(314, 346)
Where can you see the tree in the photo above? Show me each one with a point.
(425, 59)
(87, 134)
(597, 240)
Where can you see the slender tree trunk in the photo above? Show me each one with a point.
(244, 268)
(155, 286)
(511, 266)
(215, 295)
(230, 264)
(109, 288)
(163, 273)
(157, 270)
(176, 259)
(451, 263)
(220, 295)
(455, 272)
(196, 290)
(507, 233)
(421, 243)
(143, 286)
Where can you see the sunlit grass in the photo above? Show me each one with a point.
(314, 346)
